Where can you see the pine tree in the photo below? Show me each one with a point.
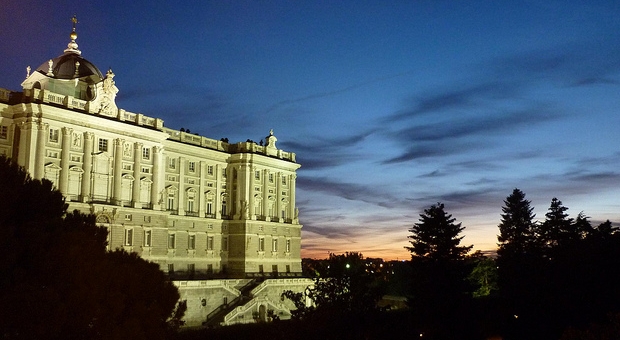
(517, 228)
(558, 228)
(436, 237)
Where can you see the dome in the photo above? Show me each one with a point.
(64, 67)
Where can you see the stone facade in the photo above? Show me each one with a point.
(203, 209)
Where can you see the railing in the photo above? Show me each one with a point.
(210, 215)
(191, 213)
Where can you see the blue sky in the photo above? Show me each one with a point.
(390, 106)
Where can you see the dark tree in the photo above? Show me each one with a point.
(604, 230)
(344, 286)
(558, 228)
(440, 290)
(57, 281)
(517, 227)
(436, 237)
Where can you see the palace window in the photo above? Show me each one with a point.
(146, 153)
(288, 246)
(257, 175)
(209, 207)
(261, 244)
(210, 170)
(270, 178)
(171, 241)
(191, 242)
(103, 145)
(172, 163)
(283, 180)
(129, 237)
(191, 166)
(147, 238)
(53, 137)
(274, 245)
(170, 205)
(209, 242)
(190, 200)
(4, 132)
(225, 243)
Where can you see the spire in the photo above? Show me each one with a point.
(73, 46)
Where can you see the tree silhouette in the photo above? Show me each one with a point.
(435, 237)
(57, 281)
(558, 228)
(517, 228)
(344, 286)
(440, 291)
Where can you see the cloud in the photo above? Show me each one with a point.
(313, 96)
(472, 132)
(370, 194)
(327, 153)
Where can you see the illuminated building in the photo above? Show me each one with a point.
(214, 215)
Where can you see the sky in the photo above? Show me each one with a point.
(390, 106)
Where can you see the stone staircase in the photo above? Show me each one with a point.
(216, 317)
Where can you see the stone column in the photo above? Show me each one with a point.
(250, 185)
(64, 160)
(137, 168)
(265, 203)
(158, 175)
(219, 180)
(87, 166)
(278, 197)
(117, 191)
(181, 193)
(39, 169)
(293, 208)
(201, 191)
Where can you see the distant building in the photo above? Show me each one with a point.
(219, 218)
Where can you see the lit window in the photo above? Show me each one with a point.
(129, 237)
(147, 238)
(171, 241)
(53, 135)
(274, 245)
(209, 242)
(146, 153)
(4, 132)
(191, 242)
(210, 170)
(103, 145)
(191, 166)
(261, 244)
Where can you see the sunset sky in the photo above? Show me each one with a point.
(390, 106)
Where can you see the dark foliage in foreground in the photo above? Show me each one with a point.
(57, 281)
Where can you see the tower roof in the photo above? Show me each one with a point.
(70, 65)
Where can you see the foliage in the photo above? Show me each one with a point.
(435, 236)
(344, 286)
(484, 276)
(58, 281)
